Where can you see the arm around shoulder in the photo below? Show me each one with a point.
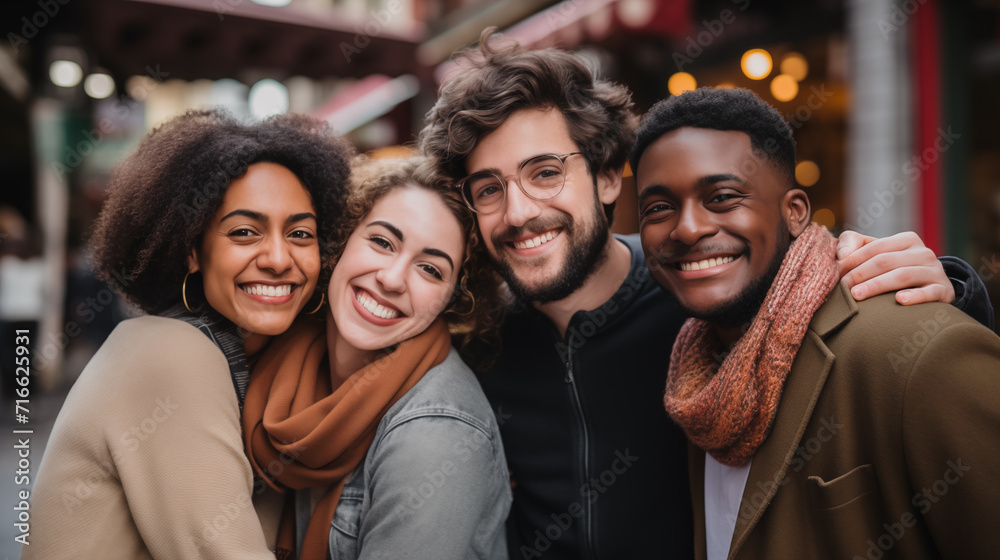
(179, 454)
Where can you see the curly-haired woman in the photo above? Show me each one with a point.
(214, 228)
(369, 422)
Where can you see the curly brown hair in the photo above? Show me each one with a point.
(497, 80)
(476, 309)
(163, 196)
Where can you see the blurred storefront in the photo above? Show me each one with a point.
(891, 101)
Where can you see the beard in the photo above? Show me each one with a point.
(743, 307)
(585, 252)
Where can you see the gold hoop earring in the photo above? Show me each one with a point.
(322, 297)
(184, 296)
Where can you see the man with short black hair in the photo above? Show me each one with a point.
(821, 426)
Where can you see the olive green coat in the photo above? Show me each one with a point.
(886, 442)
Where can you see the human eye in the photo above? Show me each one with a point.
(725, 196)
(380, 241)
(301, 234)
(543, 172)
(432, 270)
(241, 232)
(485, 187)
(655, 209)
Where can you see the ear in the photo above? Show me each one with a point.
(796, 210)
(192, 261)
(609, 185)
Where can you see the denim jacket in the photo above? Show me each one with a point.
(434, 483)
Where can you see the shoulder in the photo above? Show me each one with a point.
(449, 390)
(150, 353)
(151, 332)
(881, 320)
(879, 333)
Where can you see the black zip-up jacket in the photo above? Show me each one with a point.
(600, 469)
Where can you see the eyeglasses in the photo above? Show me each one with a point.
(540, 178)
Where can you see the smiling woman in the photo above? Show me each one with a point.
(215, 225)
(259, 257)
(384, 433)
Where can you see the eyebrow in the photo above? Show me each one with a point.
(399, 235)
(707, 180)
(263, 218)
(496, 170)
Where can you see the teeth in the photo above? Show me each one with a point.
(376, 308)
(535, 241)
(265, 290)
(707, 263)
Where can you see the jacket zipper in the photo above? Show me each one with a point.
(588, 515)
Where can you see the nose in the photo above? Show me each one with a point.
(694, 223)
(274, 255)
(393, 276)
(519, 207)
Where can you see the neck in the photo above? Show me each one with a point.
(254, 343)
(728, 334)
(596, 290)
(345, 358)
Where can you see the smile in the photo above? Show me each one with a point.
(706, 263)
(267, 290)
(536, 241)
(374, 307)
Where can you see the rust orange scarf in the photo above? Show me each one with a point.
(300, 435)
(727, 409)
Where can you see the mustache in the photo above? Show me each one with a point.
(530, 228)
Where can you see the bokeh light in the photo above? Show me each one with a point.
(807, 173)
(99, 85)
(795, 65)
(825, 217)
(756, 64)
(268, 97)
(681, 82)
(65, 73)
(784, 87)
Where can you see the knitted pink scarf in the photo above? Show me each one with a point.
(727, 410)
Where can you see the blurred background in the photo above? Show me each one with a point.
(893, 103)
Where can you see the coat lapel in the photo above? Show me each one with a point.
(802, 389)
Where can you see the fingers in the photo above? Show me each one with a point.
(851, 241)
(918, 283)
(882, 255)
(933, 292)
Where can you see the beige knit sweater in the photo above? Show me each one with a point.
(146, 458)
